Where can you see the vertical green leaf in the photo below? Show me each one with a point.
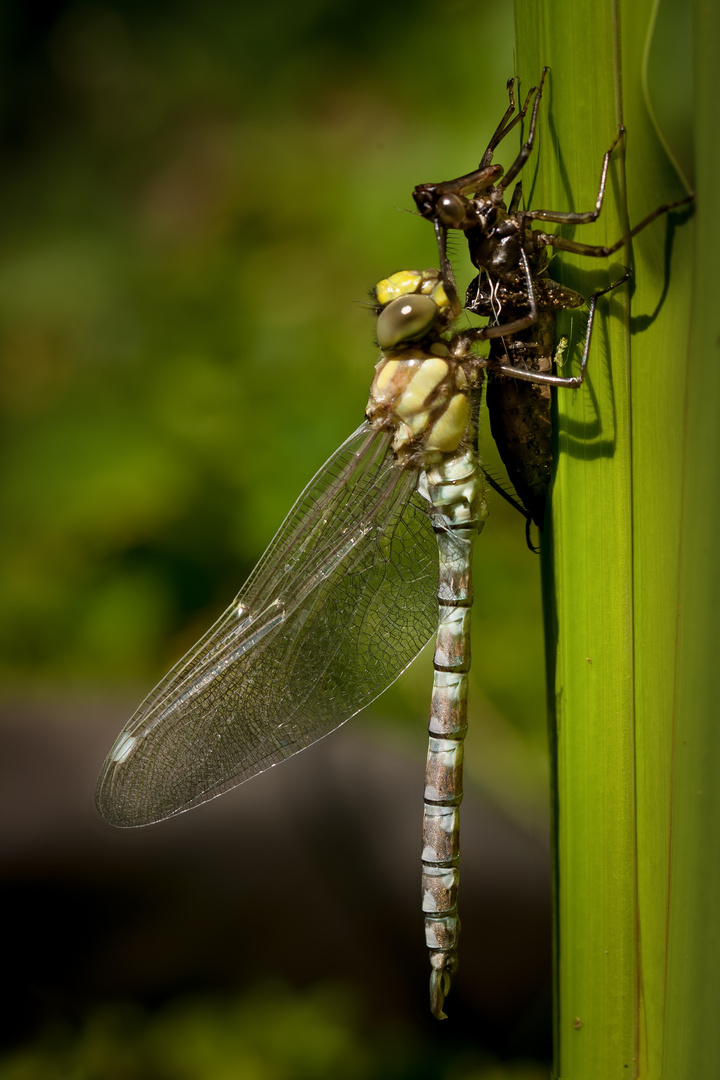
(611, 553)
(692, 1046)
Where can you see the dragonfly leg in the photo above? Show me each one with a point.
(428, 196)
(446, 269)
(527, 146)
(504, 128)
(515, 200)
(501, 130)
(570, 382)
(444, 201)
(585, 216)
(600, 251)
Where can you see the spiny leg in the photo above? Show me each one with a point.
(500, 490)
(446, 270)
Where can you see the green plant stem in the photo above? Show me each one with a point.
(692, 1046)
(612, 572)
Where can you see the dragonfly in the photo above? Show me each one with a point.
(374, 558)
(502, 244)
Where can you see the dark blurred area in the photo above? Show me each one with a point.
(286, 894)
(195, 200)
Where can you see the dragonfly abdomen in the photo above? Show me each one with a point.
(457, 523)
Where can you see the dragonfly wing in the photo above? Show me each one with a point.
(340, 603)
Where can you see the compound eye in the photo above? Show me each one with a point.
(405, 319)
(452, 211)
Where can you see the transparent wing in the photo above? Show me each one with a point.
(338, 606)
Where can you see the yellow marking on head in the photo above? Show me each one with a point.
(439, 348)
(449, 428)
(400, 284)
(406, 280)
(428, 376)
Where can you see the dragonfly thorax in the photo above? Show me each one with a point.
(420, 389)
(421, 395)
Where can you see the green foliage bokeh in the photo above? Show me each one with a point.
(196, 200)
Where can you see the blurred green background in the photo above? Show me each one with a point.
(195, 200)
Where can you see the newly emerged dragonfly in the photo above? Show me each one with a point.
(502, 244)
(373, 559)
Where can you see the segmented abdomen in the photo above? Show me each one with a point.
(454, 491)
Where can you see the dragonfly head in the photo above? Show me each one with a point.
(412, 304)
